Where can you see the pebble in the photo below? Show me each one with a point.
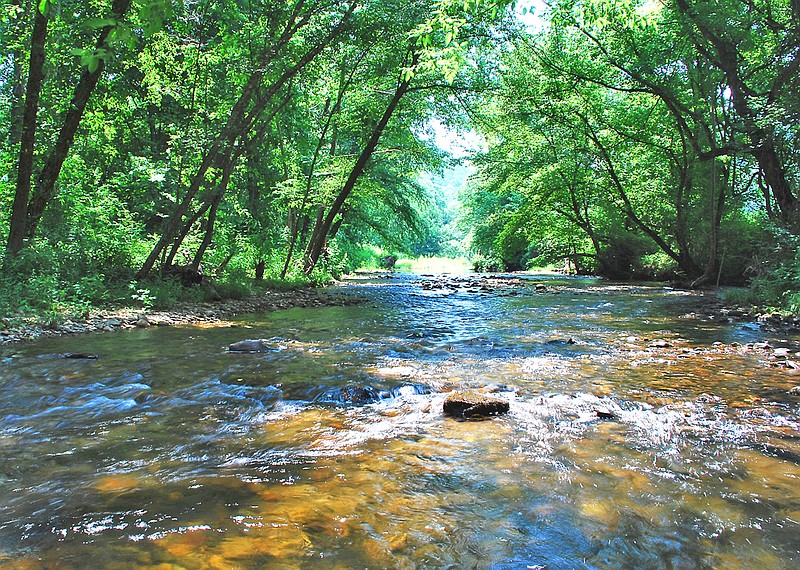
(202, 313)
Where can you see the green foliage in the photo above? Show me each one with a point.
(31, 286)
(484, 264)
(776, 270)
(614, 143)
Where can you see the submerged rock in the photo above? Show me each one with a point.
(256, 345)
(604, 413)
(474, 405)
(350, 395)
(80, 356)
(561, 341)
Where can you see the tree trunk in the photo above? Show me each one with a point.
(775, 178)
(221, 267)
(19, 210)
(318, 239)
(212, 218)
(681, 257)
(725, 55)
(238, 125)
(261, 265)
(18, 28)
(45, 185)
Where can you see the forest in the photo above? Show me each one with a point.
(148, 142)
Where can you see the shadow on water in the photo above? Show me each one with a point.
(641, 435)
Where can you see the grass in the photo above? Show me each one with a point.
(433, 265)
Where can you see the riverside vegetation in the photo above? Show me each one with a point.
(286, 142)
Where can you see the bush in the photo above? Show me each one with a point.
(776, 270)
(233, 289)
(486, 264)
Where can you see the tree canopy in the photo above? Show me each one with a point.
(634, 138)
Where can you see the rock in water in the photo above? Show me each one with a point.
(80, 356)
(357, 395)
(605, 413)
(255, 345)
(474, 405)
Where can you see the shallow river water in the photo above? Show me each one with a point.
(331, 450)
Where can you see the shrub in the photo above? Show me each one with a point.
(486, 264)
(233, 289)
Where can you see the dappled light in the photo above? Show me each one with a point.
(483, 284)
(640, 432)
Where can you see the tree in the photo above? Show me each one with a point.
(255, 96)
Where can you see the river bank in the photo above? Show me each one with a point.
(710, 307)
(213, 313)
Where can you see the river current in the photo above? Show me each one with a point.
(641, 434)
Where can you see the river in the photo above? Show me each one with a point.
(330, 450)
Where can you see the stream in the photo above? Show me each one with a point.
(330, 449)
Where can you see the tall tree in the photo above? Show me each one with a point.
(27, 213)
(253, 99)
(19, 210)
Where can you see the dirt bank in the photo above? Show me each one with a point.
(125, 318)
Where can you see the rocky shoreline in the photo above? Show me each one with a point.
(708, 307)
(112, 319)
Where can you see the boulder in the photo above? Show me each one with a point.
(474, 405)
(388, 261)
(187, 275)
(357, 395)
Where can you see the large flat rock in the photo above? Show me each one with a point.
(473, 404)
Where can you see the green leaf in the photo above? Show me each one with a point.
(44, 7)
(96, 23)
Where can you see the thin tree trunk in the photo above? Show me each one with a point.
(725, 55)
(209, 233)
(176, 245)
(221, 267)
(45, 185)
(16, 114)
(344, 82)
(227, 171)
(19, 210)
(318, 239)
(682, 258)
(238, 125)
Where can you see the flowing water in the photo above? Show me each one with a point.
(331, 451)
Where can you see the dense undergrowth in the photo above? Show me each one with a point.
(46, 286)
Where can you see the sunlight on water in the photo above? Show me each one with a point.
(632, 440)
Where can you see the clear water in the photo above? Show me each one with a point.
(170, 452)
